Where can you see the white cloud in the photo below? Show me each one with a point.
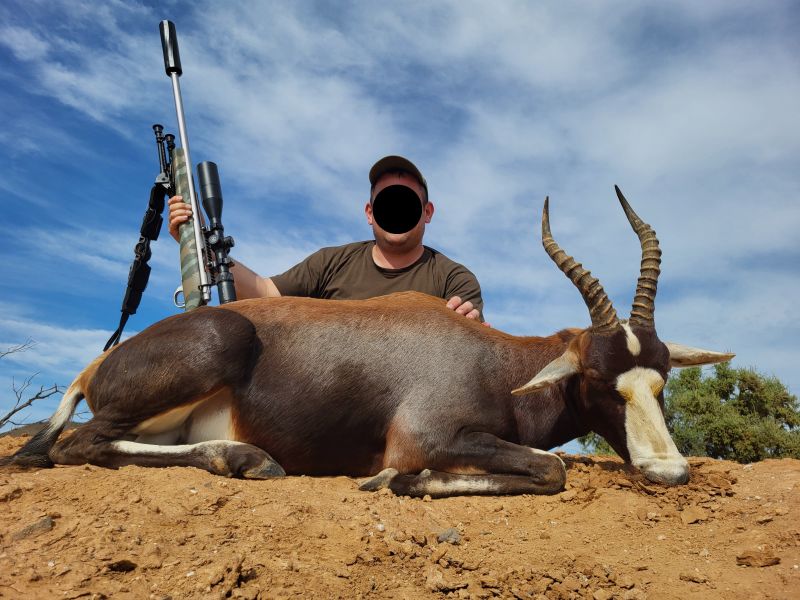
(687, 106)
(25, 44)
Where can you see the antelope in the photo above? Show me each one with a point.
(397, 387)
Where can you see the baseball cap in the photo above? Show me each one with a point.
(395, 163)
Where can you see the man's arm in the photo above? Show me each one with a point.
(249, 284)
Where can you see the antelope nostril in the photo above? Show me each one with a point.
(669, 472)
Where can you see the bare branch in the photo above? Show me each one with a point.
(22, 404)
(27, 345)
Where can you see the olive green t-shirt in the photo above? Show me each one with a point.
(349, 273)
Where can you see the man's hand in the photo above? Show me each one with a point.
(463, 308)
(179, 212)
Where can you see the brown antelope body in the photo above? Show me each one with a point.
(398, 387)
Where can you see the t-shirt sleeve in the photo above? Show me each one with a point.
(305, 278)
(462, 283)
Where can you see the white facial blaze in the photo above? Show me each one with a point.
(649, 443)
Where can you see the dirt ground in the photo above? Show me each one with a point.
(86, 532)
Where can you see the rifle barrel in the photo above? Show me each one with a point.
(172, 66)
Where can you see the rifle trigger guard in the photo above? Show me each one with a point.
(179, 294)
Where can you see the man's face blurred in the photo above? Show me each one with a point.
(397, 208)
(397, 212)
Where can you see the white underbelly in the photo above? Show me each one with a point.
(207, 419)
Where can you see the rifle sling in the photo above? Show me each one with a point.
(139, 273)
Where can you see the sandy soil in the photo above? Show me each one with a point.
(86, 532)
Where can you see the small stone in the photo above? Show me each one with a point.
(519, 594)
(757, 558)
(764, 519)
(449, 535)
(718, 481)
(10, 492)
(436, 582)
(542, 585)
(693, 577)
(602, 594)
(426, 498)
(693, 514)
(625, 581)
(438, 553)
(41, 526)
(366, 558)
(568, 496)
(571, 583)
(471, 565)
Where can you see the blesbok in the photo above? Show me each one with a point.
(397, 386)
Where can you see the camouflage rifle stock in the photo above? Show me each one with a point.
(190, 265)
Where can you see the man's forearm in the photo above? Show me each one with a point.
(250, 284)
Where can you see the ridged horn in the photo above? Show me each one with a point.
(604, 317)
(644, 302)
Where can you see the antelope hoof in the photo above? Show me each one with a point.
(380, 481)
(268, 469)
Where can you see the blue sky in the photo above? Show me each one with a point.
(691, 107)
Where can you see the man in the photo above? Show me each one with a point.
(398, 210)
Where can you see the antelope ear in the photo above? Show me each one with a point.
(686, 356)
(565, 365)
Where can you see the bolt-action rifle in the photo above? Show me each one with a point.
(203, 249)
